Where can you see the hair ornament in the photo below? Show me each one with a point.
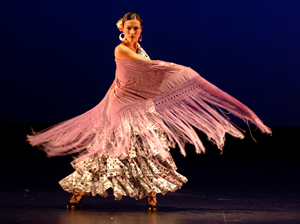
(120, 24)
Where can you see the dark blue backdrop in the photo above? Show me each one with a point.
(57, 56)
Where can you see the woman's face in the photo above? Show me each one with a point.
(132, 30)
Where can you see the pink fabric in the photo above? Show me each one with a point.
(146, 95)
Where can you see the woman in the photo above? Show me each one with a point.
(123, 143)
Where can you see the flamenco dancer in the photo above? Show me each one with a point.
(123, 143)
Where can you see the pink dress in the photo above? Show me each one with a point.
(123, 143)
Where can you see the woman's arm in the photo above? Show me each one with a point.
(123, 52)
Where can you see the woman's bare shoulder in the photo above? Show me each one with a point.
(121, 49)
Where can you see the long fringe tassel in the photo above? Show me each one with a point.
(192, 104)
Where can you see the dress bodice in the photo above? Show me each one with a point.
(142, 52)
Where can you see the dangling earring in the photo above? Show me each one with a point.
(141, 38)
(122, 38)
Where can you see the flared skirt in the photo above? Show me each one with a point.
(136, 176)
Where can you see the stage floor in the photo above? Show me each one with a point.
(249, 183)
(183, 206)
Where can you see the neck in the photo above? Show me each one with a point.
(132, 46)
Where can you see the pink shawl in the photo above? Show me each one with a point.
(146, 96)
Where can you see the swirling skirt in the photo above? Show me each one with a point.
(136, 176)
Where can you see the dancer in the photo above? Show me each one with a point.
(123, 143)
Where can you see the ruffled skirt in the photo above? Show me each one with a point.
(136, 176)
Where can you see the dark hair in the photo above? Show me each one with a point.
(132, 16)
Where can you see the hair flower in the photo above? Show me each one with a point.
(120, 24)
